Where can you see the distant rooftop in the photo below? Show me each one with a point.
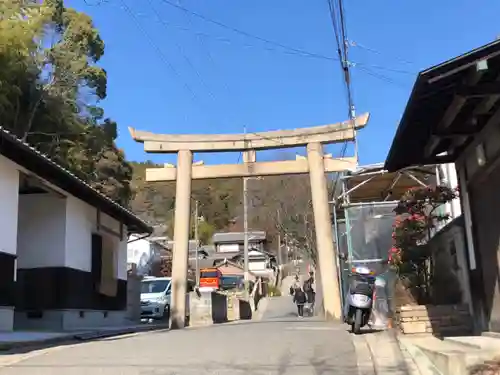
(238, 237)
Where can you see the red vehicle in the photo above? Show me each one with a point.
(210, 278)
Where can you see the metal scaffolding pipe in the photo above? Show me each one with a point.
(367, 204)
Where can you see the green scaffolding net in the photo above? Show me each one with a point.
(364, 238)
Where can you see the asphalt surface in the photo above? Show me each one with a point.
(279, 344)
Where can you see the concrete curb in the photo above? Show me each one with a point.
(80, 336)
(417, 362)
(379, 353)
(364, 358)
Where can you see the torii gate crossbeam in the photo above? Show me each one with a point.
(316, 164)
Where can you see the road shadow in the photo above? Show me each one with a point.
(289, 322)
(365, 331)
(24, 348)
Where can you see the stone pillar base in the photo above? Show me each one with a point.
(207, 308)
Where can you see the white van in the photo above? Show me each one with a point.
(156, 293)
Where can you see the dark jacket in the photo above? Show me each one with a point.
(308, 285)
(299, 297)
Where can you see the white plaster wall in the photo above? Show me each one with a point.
(449, 177)
(79, 227)
(138, 249)
(42, 231)
(225, 248)
(256, 265)
(142, 253)
(452, 177)
(81, 223)
(9, 194)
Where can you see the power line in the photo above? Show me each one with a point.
(245, 33)
(382, 77)
(353, 43)
(158, 50)
(181, 51)
(337, 15)
(339, 29)
(305, 53)
(381, 67)
(225, 40)
(169, 64)
(212, 61)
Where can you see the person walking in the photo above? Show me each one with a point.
(295, 285)
(310, 293)
(299, 297)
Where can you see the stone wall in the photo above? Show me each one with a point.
(233, 307)
(133, 298)
(207, 308)
(440, 320)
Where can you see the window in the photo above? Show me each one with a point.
(154, 286)
(96, 266)
(103, 264)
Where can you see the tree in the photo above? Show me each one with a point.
(51, 85)
(219, 201)
(282, 205)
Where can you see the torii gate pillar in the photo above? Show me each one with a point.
(181, 239)
(324, 234)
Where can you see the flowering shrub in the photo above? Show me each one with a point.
(416, 217)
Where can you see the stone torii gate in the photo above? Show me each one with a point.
(316, 164)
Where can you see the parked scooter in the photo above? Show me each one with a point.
(359, 301)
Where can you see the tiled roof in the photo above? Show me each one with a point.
(237, 237)
(41, 165)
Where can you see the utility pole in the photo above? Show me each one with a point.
(245, 229)
(280, 260)
(246, 275)
(196, 240)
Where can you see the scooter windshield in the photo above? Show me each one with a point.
(361, 284)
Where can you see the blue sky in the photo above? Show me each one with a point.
(175, 73)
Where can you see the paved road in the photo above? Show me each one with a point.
(279, 344)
